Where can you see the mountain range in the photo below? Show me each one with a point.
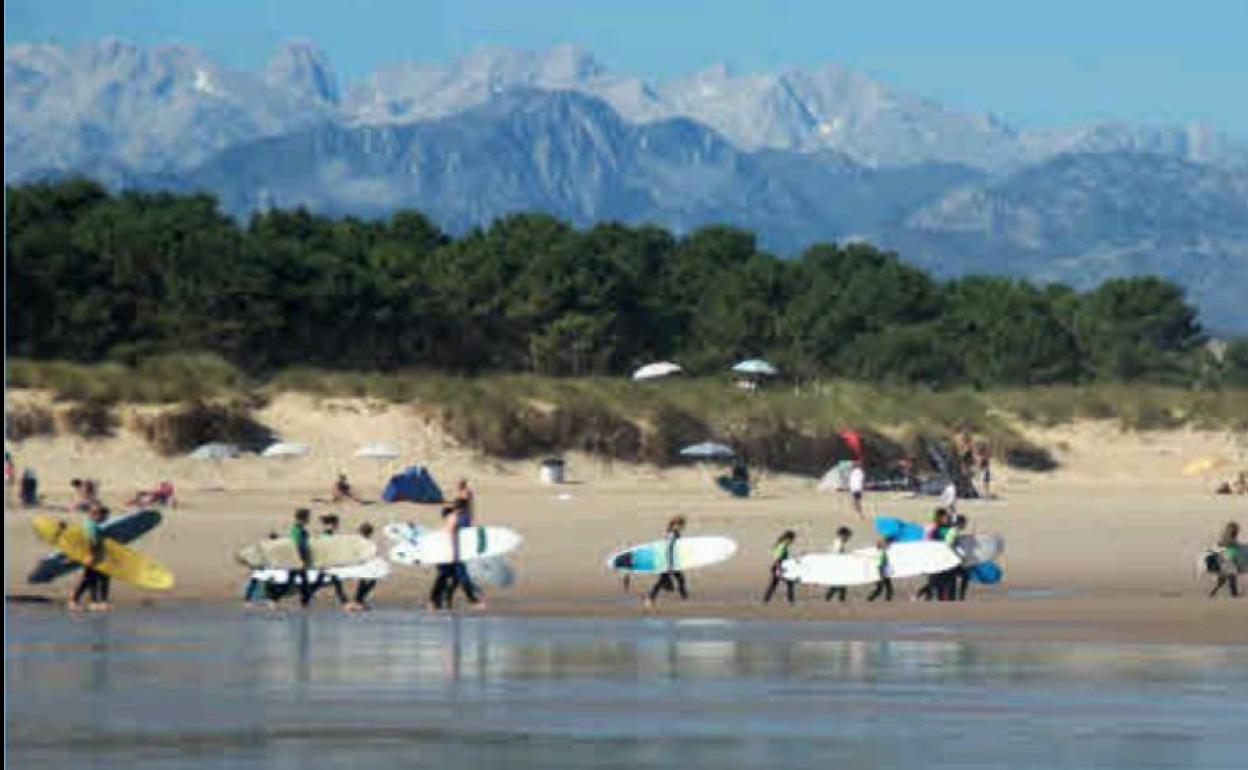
(798, 156)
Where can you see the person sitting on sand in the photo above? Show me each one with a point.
(885, 584)
(364, 586)
(779, 555)
(1229, 554)
(342, 491)
(163, 494)
(840, 545)
(672, 579)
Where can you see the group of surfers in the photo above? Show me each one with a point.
(450, 578)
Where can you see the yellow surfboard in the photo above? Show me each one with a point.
(123, 563)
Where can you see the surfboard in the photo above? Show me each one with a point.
(124, 529)
(493, 572)
(974, 548)
(374, 569)
(327, 551)
(832, 569)
(861, 566)
(121, 562)
(986, 572)
(433, 546)
(689, 553)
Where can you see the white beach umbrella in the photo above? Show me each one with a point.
(656, 370)
(708, 450)
(214, 451)
(285, 449)
(755, 367)
(378, 451)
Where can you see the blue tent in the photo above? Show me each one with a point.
(413, 485)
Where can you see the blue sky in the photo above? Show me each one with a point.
(1041, 63)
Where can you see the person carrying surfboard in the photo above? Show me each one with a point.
(1229, 555)
(840, 545)
(885, 584)
(93, 583)
(363, 586)
(933, 531)
(303, 547)
(672, 579)
(780, 554)
(329, 527)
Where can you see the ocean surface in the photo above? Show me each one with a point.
(218, 687)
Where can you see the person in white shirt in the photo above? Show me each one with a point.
(857, 482)
(949, 497)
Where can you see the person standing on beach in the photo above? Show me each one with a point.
(779, 555)
(984, 457)
(448, 579)
(885, 584)
(952, 583)
(857, 485)
(672, 579)
(840, 545)
(1229, 555)
(934, 531)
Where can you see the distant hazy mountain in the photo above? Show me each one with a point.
(798, 156)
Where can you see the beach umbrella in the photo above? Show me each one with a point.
(656, 370)
(755, 367)
(214, 451)
(377, 451)
(708, 450)
(285, 449)
(1203, 465)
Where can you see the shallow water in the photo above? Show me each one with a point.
(191, 688)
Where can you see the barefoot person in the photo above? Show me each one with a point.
(857, 485)
(840, 545)
(672, 579)
(885, 584)
(364, 586)
(779, 555)
(93, 584)
(1229, 550)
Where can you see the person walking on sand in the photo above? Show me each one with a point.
(303, 548)
(1229, 555)
(933, 531)
(857, 485)
(92, 582)
(884, 569)
(672, 579)
(779, 555)
(329, 528)
(449, 574)
(364, 586)
(983, 456)
(840, 545)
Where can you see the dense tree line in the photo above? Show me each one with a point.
(94, 276)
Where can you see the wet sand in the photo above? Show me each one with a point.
(1105, 548)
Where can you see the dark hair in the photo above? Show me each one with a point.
(788, 534)
(366, 529)
(844, 532)
(959, 521)
(75, 483)
(329, 518)
(302, 514)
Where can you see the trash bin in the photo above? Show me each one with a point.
(551, 471)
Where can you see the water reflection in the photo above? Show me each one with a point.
(300, 690)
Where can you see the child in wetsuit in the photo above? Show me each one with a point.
(672, 579)
(934, 531)
(364, 586)
(780, 554)
(840, 545)
(1229, 549)
(885, 584)
(303, 547)
(329, 523)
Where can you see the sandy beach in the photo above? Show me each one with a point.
(1103, 548)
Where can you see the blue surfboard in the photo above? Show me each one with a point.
(899, 530)
(123, 529)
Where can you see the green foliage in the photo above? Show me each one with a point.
(143, 277)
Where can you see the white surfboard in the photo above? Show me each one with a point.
(433, 546)
(861, 567)
(373, 569)
(689, 552)
(976, 549)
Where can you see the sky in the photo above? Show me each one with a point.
(1049, 63)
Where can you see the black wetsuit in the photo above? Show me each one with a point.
(672, 580)
(885, 586)
(780, 553)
